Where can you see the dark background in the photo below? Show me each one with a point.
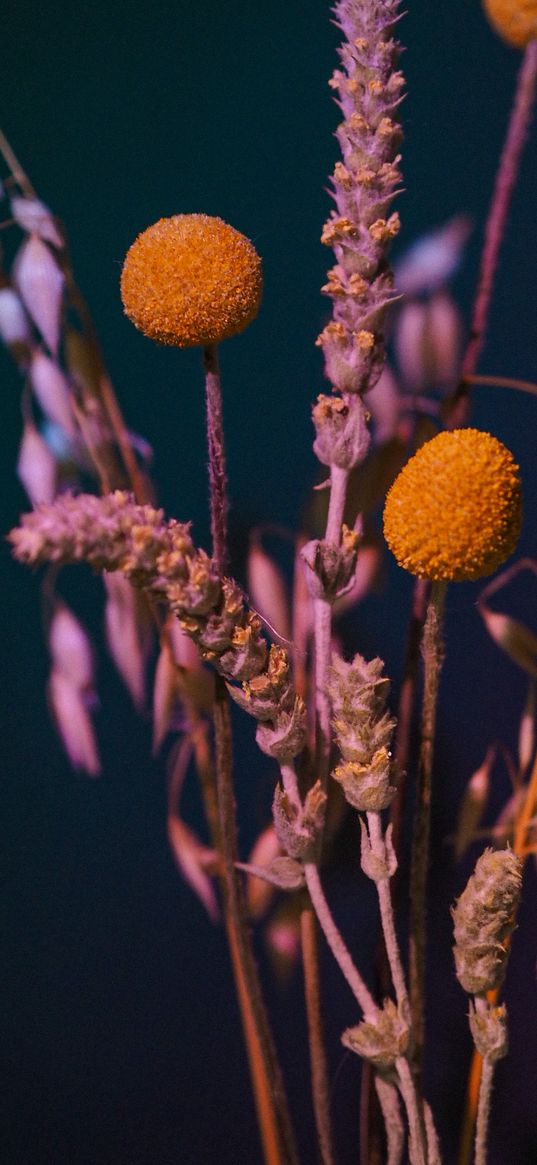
(122, 1043)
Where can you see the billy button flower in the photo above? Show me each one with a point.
(514, 20)
(454, 512)
(193, 280)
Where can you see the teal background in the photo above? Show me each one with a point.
(122, 1043)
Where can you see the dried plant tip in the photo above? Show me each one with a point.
(191, 279)
(381, 1042)
(14, 326)
(127, 633)
(484, 918)
(455, 510)
(489, 1031)
(52, 391)
(268, 591)
(73, 723)
(70, 648)
(514, 20)
(36, 218)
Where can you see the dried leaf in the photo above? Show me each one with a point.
(473, 804)
(526, 731)
(36, 218)
(433, 259)
(259, 894)
(194, 681)
(268, 591)
(410, 342)
(367, 568)
(36, 466)
(518, 642)
(283, 872)
(40, 283)
(127, 633)
(383, 401)
(52, 391)
(73, 723)
(194, 859)
(444, 333)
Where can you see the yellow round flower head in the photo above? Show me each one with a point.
(191, 279)
(514, 20)
(454, 511)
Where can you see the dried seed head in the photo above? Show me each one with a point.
(454, 511)
(191, 279)
(514, 20)
(484, 918)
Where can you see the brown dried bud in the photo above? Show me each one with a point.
(331, 568)
(343, 437)
(299, 828)
(269, 693)
(489, 1031)
(284, 737)
(367, 786)
(376, 866)
(381, 1042)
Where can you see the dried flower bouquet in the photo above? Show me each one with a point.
(452, 513)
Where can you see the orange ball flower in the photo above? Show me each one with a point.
(514, 20)
(191, 279)
(454, 511)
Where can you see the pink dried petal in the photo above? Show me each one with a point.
(36, 218)
(445, 339)
(268, 591)
(383, 402)
(52, 391)
(40, 283)
(36, 467)
(14, 325)
(193, 859)
(126, 635)
(70, 648)
(165, 692)
(73, 723)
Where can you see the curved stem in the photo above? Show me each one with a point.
(387, 916)
(432, 650)
(217, 461)
(338, 947)
(495, 228)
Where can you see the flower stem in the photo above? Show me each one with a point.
(483, 1112)
(339, 950)
(217, 461)
(271, 1105)
(322, 628)
(458, 407)
(319, 1072)
(432, 650)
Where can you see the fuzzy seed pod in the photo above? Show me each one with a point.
(484, 918)
(514, 20)
(455, 510)
(381, 1042)
(191, 279)
(363, 730)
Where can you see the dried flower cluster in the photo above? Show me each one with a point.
(454, 511)
(191, 279)
(360, 229)
(113, 533)
(363, 730)
(484, 917)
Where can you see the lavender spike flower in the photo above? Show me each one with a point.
(361, 228)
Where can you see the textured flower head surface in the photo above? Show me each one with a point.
(191, 279)
(455, 510)
(514, 20)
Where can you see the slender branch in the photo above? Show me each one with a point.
(495, 227)
(319, 1071)
(433, 658)
(405, 711)
(395, 1129)
(15, 167)
(322, 627)
(416, 1140)
(483, 1112)
(274, 1121)
(387, 916)
(339, 950)
(217, 461)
